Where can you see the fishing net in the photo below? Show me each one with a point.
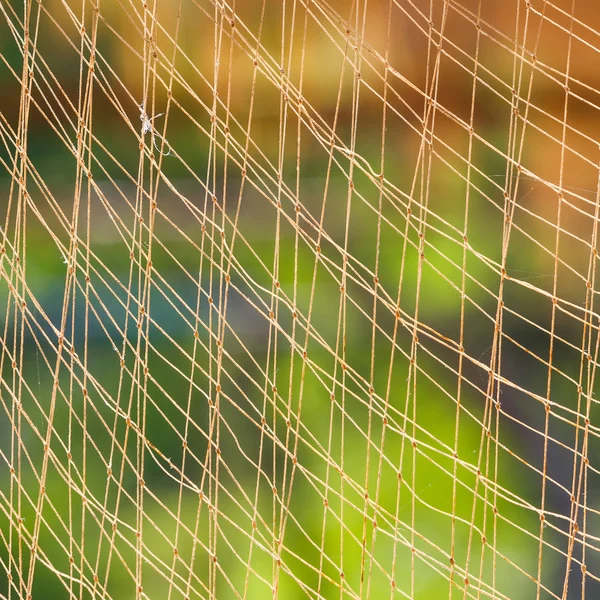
(298, 299)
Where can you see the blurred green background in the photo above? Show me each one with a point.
(399, 540)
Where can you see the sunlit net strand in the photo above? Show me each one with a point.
(108, 207)
(284, 514)
(22, 127)
(547, 115)
(172, 291)
(424, 162)
(139, 508)
(549, 373)
(535, 241)
(434, 247)
(341, 326)
(65, 449)
(459, 389)
(536, 64)
(488, 418)
(576, 505)
(223, 304)
(496, 464)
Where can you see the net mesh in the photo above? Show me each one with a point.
(299, 299)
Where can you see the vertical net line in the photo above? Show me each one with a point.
(29, 54)
(84, 139)
(553, 317)
(495, 358)
(375, 296)
(461, 347)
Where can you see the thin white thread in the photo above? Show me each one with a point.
(148, 127)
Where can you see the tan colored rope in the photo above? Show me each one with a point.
(299, 299)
